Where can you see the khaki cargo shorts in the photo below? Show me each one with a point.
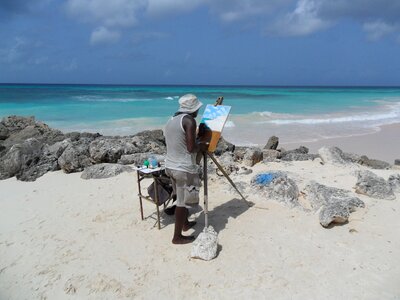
(186, 186)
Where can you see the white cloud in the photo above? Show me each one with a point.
(234, 10)
(303, 20)
(110, 13)
(102, 35)
(378, 29)
(163, 7)
(15, 51)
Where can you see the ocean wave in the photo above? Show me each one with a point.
(171, 98)
(100, 99)
(390, 113)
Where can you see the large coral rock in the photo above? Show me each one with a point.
(206, 244)
(335, 204)
(20, 157)
(110, 149)
(104, 171)
(373, 163)
(374, 186)
(332, 155)
(137, 159)
(277, 186)
(252, 156)
(394, 182)
(75, 157)
(272, 143)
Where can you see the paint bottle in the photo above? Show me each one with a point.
(146, 163)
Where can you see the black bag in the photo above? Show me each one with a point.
(164, 190)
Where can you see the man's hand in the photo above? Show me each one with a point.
(203, 147)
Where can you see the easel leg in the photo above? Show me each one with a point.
(227, 177)
(205, 189)
(140, 195)
(156, 198)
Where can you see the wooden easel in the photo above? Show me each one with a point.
(206, 136)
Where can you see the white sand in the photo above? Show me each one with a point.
(63, 237)
(383, 144)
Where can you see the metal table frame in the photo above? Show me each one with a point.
(155, 175)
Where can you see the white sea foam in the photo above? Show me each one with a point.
(387, 114)
(171, 98)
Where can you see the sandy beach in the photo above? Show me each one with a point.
(383, 144)
(63, 237)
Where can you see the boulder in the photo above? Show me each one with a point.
(156, 136)
(252, 156)
(17, 123)
(332, 155)
(373, 186)
(239, 153)
(337, 213)
(76, 136)
(335, 204)
(224, 146)
(104, 171)
(394, 182)
(397, 162)
(350, 157)
(205, 246)
(277, 186)
(20, 157)
(21, 129)
(299, 154)
(4, 132)
(75, 157)
(272, 143)
(320, 195)
(270, 155)
(152, 141)
(110, 149)
(227, 161)
(373, 163)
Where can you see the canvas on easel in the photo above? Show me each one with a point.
(214, 119)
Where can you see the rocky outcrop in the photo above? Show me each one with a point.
(252, 156)
(19, 158)
(332, 155)
(110, 150)
(270, 155)
(75, 157)
(23, 128)
(373, 163)
(299, 154)
(277, 186)
(29, 149)
(371, 185)
(104, 171)
(394, 182)
(272, 143)
(335, 204)
(224, 146)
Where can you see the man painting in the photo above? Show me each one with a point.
(180, 162)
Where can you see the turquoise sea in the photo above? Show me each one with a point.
(293, 113)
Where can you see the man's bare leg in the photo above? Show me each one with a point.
(181, 214)
(188, 224)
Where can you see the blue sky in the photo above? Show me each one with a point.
(248, 42)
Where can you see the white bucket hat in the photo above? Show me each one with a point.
(189, 103)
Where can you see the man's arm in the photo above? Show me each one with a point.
(189, 125)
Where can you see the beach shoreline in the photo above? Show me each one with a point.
(383, 144)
